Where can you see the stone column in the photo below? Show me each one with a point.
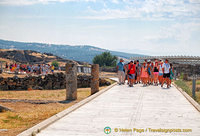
(95, 79)
(71, 81)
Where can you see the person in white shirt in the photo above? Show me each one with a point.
(166, 73)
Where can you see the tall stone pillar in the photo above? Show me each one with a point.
(95, 79)
(71, 81)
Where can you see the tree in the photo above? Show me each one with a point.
(105, 59)
(55, 63)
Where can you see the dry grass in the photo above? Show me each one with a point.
(189, 84)
(187, 87)
(108, 74)
(27, 115)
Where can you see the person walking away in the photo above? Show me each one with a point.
(171, 73)
(166, 73)
(131, 73)
(120, 71)
(160, 75)
(144, 74)
(156, 72)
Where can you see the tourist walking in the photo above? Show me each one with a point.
(131, 73)
(171, 73)
(144, 74)
(126, 72)
(156, 72)
(160, 75)
(138, 71)
(166, 73)
(120, 71)
(152, 73)
(149, 72)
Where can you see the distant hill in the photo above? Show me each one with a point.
(28, 56)
(84, 53)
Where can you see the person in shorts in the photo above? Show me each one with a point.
(166, 73)
(144, 74)
(131, 73)
(138, 71)
(149, 72)
(156, 72)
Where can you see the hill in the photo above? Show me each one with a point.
(84, 53)
(28, 56)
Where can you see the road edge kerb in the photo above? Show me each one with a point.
(42, 125)
(189, 98)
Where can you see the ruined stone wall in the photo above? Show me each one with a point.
(49, 82)
(187, 69)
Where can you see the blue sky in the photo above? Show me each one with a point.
(152, 27)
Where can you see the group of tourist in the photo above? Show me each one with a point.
(148, 73)
(30, 69)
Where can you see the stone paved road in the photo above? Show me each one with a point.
(127, 108)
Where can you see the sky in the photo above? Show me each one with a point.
(151, 27)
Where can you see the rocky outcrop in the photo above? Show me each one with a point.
(31, 57)
(3, 108)
(49, 82)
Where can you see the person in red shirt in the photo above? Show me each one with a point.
(131, 73)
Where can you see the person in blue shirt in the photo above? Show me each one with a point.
(120, 71)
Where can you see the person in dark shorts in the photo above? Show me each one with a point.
(166, 73)
(131, 73)
(156, 72)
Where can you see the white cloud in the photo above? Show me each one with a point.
(32, 2)
(150, 9)
(115, 1)
(180, 32)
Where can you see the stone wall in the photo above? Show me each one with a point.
(49, 82)
(108, 69)
(187, 69)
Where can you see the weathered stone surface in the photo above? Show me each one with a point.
(95, 79)
(50, 81)
(187, 69)
(71, 81)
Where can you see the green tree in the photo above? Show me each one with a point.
(55, 63)
(105, 59)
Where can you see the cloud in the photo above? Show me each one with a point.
(182, 33)
(32, 2)
(149, 9)
(115, 1)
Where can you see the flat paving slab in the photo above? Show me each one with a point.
(130, 111)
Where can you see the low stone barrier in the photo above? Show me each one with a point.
(49, 82)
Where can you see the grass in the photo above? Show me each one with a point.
(27, 115)
(187, 87)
